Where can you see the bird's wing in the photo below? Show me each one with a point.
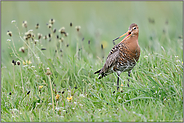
(112, 59)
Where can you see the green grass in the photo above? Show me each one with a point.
(155, 93)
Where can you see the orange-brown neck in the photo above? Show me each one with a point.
(132, 43)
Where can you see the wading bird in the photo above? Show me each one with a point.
(123, 56)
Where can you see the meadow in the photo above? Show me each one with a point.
(50, 51)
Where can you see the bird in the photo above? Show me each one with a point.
(123, 56)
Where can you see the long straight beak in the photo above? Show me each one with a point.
(126, 37)
(123, 35)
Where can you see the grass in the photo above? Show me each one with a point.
(61, 77)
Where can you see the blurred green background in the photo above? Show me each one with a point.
(100, 21)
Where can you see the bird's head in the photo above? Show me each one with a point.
(132, 31)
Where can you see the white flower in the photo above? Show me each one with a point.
(8, 40)
(13, 21)
(145, 56)
(81, 95)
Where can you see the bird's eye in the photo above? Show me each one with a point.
(134, 28)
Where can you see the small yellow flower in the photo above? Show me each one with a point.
(57, 96)
(24, 63)
(104, 43)
(28, 62)
(182, 62)
(69, 98)
(121, 84)
(40, 87)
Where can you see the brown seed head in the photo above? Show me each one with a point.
(78, 28)
(37, 26)
(9, 33)
(51, 21)
(62, 30)
(18, 62)
(24, 24)
(70, 24)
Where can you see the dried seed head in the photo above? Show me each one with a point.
(51, 21)
(39, 36)
(63, 92)
(45, 37)
(9, 33)
(57, 36)
(25, 37)
(24, 24)
(78, 28)
(32, 35)
(14, 62)
(43, 48)
(166, 22)
(50, 35)
(29, 34)
(89, 42)
(70, 24)
(151, 20)
(66, 34)
(61, 39)
(28, 92)
(82, 39)
(49, 25)
(164, 31)
(180, 37)
(102, 46)
(60, 50)
(37, 26)
(54, 30)
(48, 71)
(35, 41)
(67, 45)
(21, 49)
(18, 62)
(10, 93)
(62, 30)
